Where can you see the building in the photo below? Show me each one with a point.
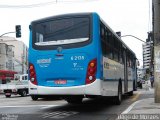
(147, 54)
(6, 57)
(20, 54)
(141, 72)
(6, 62)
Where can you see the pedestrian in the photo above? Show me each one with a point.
(152, 80)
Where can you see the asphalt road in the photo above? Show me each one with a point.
(23, 108)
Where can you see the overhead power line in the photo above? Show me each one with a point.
(43, 3)
(28, 6)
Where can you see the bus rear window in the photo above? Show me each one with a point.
(64, 31)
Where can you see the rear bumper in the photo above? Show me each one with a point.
(90, 89)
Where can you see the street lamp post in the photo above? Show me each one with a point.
(143, 42)
(133, 37)
(6, 33)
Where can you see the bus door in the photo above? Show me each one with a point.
(125, 71)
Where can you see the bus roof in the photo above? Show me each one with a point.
(62, 16)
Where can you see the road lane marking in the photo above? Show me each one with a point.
(130, 107)
(29, 106)
(133, 104)
(135, 97)
(50, 106)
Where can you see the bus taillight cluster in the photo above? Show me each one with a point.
(91, 71)
(32, 74)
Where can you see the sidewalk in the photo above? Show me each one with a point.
(144, 109)
(144, 106)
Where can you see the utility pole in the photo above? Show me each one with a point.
(156, 31)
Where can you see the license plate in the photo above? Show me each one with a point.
(60, 82)
(8, 93)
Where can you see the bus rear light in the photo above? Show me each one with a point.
(32, 74)
(31, 67)
(90, 77)
(32, 79)
(91, 71)
(92, 64)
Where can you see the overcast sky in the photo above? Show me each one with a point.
(131, 17)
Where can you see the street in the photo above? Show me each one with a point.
(19, 108)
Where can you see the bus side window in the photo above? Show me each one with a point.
(102, 34)
(111, 53)
(121, 58)
(123, 55)
(104, 51)
(116, 47)
(132, 62)
(107, 38)
(102, 31)
(129, 62)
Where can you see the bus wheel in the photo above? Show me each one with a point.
(34, 97)
(130, 93)
(118, 99)
(74, 100)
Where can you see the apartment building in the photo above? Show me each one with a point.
(147, 47)
(6, 57)
(20, 54)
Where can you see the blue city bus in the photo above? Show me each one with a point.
(76, 56)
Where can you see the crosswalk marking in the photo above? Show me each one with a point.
(58, 114)
(19, 106)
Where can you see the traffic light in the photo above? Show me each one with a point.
(18, 31)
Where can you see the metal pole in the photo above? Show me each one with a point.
(134, 37)
(156, 30)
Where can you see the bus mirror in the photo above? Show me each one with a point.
(30, 27)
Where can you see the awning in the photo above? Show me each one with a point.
(5, 74)
(8, 71)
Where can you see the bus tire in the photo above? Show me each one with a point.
(134, 85)
(130, 93)
(34, 97)
(118, 98)
(74, 100)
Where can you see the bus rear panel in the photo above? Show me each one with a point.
(64, 57)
